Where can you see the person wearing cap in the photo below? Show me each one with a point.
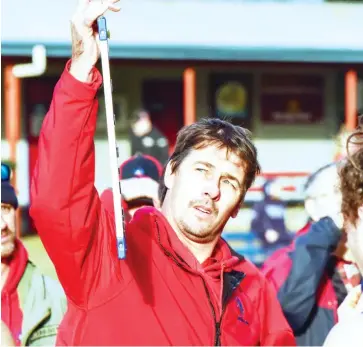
(32, 304)
(139, 178)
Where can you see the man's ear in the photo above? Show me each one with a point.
(169, 176)
(156, 203)
(235, 211)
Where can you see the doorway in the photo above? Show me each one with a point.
(164, 101)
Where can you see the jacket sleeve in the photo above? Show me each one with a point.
(297, 294)
(275, 329)
(76, 231)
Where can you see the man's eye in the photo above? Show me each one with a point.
(229, 183)
(201, 169)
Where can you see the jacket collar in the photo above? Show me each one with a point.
(17, 262)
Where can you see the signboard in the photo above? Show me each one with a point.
(231, 98)
(292, 99)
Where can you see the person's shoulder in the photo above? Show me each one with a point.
(252, 274)
(277, 258)
(254, 282)
(156, 132)
(51, 286)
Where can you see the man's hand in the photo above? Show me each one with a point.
(85, 49)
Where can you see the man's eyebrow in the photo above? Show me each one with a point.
(205, 163)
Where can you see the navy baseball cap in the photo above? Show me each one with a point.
(139, 166)
(139, 179)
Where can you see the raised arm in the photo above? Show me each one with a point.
(65, 206)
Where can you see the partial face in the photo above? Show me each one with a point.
(325, 197)
(355, 239)
(204, 192)
(7, 230)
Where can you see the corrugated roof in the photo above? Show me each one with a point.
(197, 29)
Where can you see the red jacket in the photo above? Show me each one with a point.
(155, 296)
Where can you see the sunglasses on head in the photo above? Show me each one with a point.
(5, 172)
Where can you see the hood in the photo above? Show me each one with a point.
(17, 263)
(221, 260)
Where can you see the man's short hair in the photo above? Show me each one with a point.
(214, 131)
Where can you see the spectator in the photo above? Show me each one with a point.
(32, 305)
(268, 222)
(314, 274)
(145, 138)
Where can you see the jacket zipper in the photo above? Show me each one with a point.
(217, 324)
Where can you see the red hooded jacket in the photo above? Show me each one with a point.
(159, 295)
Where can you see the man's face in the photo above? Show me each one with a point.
(355, 239)
(325, 197)
(204, 192)
(7, 230)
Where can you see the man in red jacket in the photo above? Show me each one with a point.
(180, 283)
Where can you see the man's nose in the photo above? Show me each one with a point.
(211, 188)
(3, 223)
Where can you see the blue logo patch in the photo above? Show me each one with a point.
(241, 311)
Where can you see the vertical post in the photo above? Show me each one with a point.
(12, 123)
(351, 90)
(189, 78)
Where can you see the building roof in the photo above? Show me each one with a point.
(196, 29)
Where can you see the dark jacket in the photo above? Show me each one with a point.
(269, 213)
(308, 285)
(153, 143)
